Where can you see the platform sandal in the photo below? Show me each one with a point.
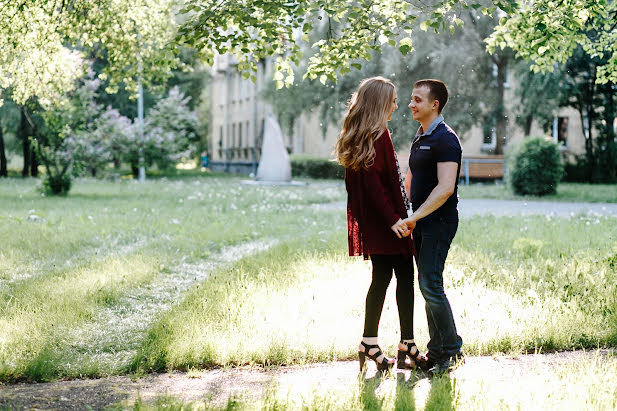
(384, 365)
(414, 355)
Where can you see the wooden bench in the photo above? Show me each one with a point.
(486, 167)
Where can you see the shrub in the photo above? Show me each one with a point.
(316, 167)
(57, 184)
(534, 167)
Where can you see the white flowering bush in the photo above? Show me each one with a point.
(171, 131)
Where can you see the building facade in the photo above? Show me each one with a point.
(238, 115)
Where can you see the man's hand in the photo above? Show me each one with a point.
(400, 229)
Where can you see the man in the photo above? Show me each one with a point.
(431, 182)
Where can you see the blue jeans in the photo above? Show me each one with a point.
(432, 238)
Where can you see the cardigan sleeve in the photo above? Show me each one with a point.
(376, 194)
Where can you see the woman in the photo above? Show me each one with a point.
(376, 208)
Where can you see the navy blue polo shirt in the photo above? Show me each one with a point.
(437, 145)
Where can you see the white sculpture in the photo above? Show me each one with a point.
(274, 164)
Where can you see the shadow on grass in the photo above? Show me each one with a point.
(404, 396)
(442, 395)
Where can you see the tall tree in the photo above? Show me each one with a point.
(548, 32)
(539, 96)
(24, 133)
(134, 37)
(595, 103)
(3, 170)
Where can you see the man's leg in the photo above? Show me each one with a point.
(436, 239)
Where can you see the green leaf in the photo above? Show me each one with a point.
(357, 66)
(404, 49)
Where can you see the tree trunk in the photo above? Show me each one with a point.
(23, 130)
(34, 163)
(3, 172)
(609, 118)
(590, 119)
(527, 127)
(501, 119)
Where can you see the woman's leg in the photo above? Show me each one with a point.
(403, 269)
(382, 274)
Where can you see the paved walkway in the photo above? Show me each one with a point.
(471, 207)
(531, 372)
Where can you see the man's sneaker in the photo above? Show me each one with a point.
(428, 363)
(445, 366)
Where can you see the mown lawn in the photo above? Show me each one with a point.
(121, 277)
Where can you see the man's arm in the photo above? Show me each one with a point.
(446, 181)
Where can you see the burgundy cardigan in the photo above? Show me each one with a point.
(375, 203)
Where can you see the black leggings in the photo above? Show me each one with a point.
(382, 274)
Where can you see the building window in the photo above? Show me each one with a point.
(489, 131)
(221, 137)
(239, 134)
(237, 86)
(248, 138)
(221, 92)
(560, 130)
(233, 135)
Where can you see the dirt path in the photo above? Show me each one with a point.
(216, 386)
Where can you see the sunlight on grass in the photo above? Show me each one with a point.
(289, 306)
(583, 383)
(38, 315)
(177, 226)
(578, 385)
(102, 255)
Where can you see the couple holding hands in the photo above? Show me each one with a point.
(378, 224)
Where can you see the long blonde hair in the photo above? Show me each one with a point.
(365, 120)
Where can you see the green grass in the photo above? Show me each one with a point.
(122, 277)
(69, 266)
(568, 192)
(515, 284)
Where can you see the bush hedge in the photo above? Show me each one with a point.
(534, 167)
(316, 167)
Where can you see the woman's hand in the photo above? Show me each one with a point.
(410, 223)
(400, 229)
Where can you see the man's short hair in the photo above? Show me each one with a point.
(437, 91)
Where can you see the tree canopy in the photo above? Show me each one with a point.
(44, 44)
(253, 30)
(548, 32)
(543, 31)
